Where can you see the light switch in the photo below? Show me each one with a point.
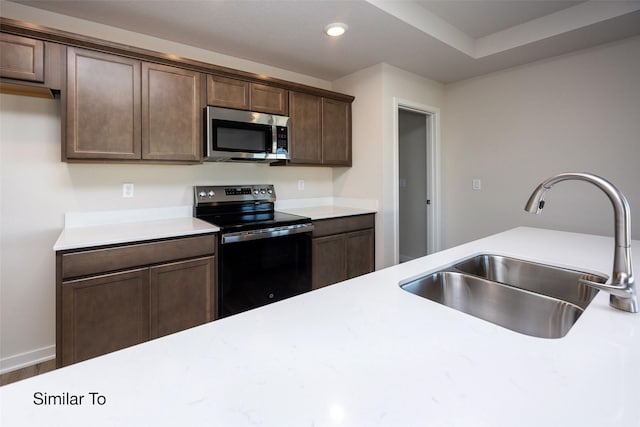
(476, 184)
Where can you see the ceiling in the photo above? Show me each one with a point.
(444, 40)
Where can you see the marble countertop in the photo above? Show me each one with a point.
(364, 353)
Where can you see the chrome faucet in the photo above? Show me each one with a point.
(622, 287)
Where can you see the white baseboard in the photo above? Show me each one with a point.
(29, 358)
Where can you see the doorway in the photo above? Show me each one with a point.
(417, 218)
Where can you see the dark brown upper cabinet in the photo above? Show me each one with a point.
(171, 113)
(30, 67)
(103, 108)
(320, 130)
(336, 132)
(305, 128)
(119, 108)
(126, 104)
(269, 99)
(21, 58)
(244, 95)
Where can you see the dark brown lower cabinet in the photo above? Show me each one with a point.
(181, 295)
(153, 293)
(328, 260)
(104, 313)
(340, 253)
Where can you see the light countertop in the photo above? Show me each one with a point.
(87, 229)
(366, 353)
(327, 211)
(329, 207)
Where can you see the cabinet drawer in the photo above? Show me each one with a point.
(103, 260)
(331, 226)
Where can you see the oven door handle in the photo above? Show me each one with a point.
(265, 233)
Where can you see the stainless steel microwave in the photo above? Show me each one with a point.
(245, 136)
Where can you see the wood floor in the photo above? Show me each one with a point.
(29, 371)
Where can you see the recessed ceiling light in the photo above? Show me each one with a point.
(336, 29)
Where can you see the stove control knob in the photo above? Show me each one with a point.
(202, 194)
(256, 192)
(211, 193)
(263, 191)
(270, 191)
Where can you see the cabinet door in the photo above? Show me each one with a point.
(103, 314)
(102, 106)
(225, 92)
(182, 295)
(360, 253)
(305, 128)
(21, 58)
(329, 261)
(171, 113)
(336, 132)
(269, 99)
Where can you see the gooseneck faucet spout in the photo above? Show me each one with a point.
(622, 287)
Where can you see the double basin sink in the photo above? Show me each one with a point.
(534, 299)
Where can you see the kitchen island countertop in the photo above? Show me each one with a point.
(364, 353)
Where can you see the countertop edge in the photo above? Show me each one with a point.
(113, 234)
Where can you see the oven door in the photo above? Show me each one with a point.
(256, 272)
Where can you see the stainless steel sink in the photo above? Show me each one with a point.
(533, 299)
(543, 279)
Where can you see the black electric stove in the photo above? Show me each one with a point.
(263, 255)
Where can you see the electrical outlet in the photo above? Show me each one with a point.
(476, 184)
(300, 184)
(127, 190)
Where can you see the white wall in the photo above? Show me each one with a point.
(36, 189)
(376, 90)
(512, 129)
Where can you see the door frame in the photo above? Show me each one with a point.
(434, 237)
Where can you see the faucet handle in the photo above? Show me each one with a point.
(622, 295)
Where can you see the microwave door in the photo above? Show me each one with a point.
(241, 137)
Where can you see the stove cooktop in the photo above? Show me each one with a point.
(239, 208)
(253, 221)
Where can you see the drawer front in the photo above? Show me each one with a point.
(327, 227)
(103, 260)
